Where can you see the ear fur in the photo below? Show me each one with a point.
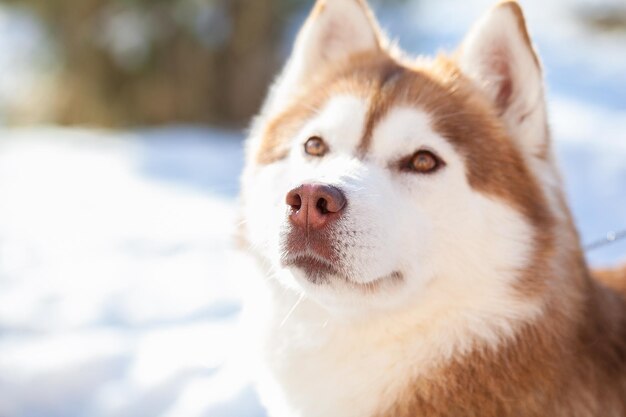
(334, 30)
(498, 55)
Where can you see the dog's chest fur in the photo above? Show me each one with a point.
(317, 367)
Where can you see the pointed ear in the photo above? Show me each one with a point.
(499, 57)
(334, 30)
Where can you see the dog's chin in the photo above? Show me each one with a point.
(312, 269)
(351, 300)
(319, 274)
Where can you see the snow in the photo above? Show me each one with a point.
(120, 287)
(117, 284)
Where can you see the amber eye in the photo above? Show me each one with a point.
(315, 146)
(423, 162)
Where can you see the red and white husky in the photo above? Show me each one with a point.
(420, 257)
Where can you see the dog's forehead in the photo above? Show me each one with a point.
(347, 125)
(387, 92)
(362, 95)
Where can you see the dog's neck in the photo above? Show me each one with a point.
(569, 361)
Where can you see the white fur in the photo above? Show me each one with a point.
(348, 349)
(457, 287)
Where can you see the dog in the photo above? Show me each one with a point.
(419, 255)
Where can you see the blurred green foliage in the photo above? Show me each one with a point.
(145, 62)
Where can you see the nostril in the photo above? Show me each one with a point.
(312, 206)
(294, 201)
(330, 200)
(322, 206)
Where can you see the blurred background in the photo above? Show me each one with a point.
(121, 128)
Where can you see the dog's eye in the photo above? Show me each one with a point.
(422, 162)
(315, 146)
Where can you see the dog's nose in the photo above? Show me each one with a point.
(314, 205)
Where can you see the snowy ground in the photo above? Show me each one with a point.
(119, 284)
(117, 290)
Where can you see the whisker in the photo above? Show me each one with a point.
(290, 312)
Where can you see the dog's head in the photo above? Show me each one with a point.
(374, 181)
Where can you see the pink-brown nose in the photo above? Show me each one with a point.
(315, 205)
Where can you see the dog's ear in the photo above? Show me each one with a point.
(499, 57)
(334, 30)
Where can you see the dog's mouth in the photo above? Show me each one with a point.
(315, 259)
(316, 269)
(320, 271)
